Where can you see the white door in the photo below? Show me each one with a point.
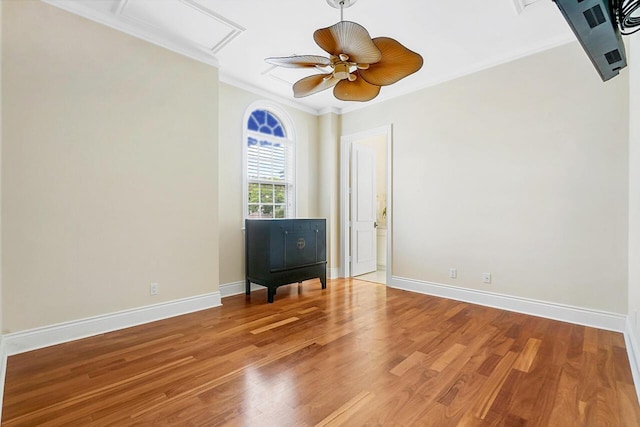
(363, 209)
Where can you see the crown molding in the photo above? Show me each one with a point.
(233, 29)
(77, 8)
(112, 21)
(493, 62)
(330, 110)
(232, 81)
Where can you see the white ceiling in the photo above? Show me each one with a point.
(454, 37)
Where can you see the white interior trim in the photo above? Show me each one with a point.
(633, 353)
(471, 69)
(233, 81)
(346, 142)
(291, 140)
(3, 372)
(565, 313)
(68, 331)
(236, 288)
(20, 342)
(110, 20)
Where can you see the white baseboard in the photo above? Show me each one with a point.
(3, 372)
(20, 342)
(633, 352)
(565, 313)
(333, 273)
(236, 288)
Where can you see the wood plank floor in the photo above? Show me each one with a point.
(354, 354)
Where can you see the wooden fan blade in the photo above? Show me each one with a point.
(348, 38)
(299, 61)
(397, 63)
(313, 84)
(357, 90)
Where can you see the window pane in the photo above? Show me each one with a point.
(254, 211)
(272, 121)
(252, 124)
(267, 211)
(266, 193)
(266, 160)
(259, 116)
(253, 193)
(264, 122)
(279, 194)
(269, 182)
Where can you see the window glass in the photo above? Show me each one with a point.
(269, 165)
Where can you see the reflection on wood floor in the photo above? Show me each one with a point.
(354, 354)
(378, 276)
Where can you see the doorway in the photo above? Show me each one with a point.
(365, 202)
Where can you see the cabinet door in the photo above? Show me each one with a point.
(296, 243)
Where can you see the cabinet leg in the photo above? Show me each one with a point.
(248, 288)
(323, 280)
(271, 292)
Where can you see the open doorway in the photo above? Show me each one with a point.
(365, 185)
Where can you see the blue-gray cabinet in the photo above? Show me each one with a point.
(283, 251)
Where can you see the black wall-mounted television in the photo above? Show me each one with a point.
(594, 24)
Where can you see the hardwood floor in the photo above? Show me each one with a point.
(354, 354)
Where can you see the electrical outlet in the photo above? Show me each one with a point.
(486, 277)
(153, 289)
(453, 273)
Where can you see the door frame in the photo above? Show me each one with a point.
(346, 142)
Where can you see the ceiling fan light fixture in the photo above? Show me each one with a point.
(341, 70)
(352, 54)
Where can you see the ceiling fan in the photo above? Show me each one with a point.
(357, 65)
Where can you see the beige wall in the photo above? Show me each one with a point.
(329, 184)
(633, 47)
(109, 177)
(521, 171)
(233, 104)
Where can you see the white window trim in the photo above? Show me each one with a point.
(289, 129)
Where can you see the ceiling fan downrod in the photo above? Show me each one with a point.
(341, 4)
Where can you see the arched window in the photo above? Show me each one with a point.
(269, 163)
